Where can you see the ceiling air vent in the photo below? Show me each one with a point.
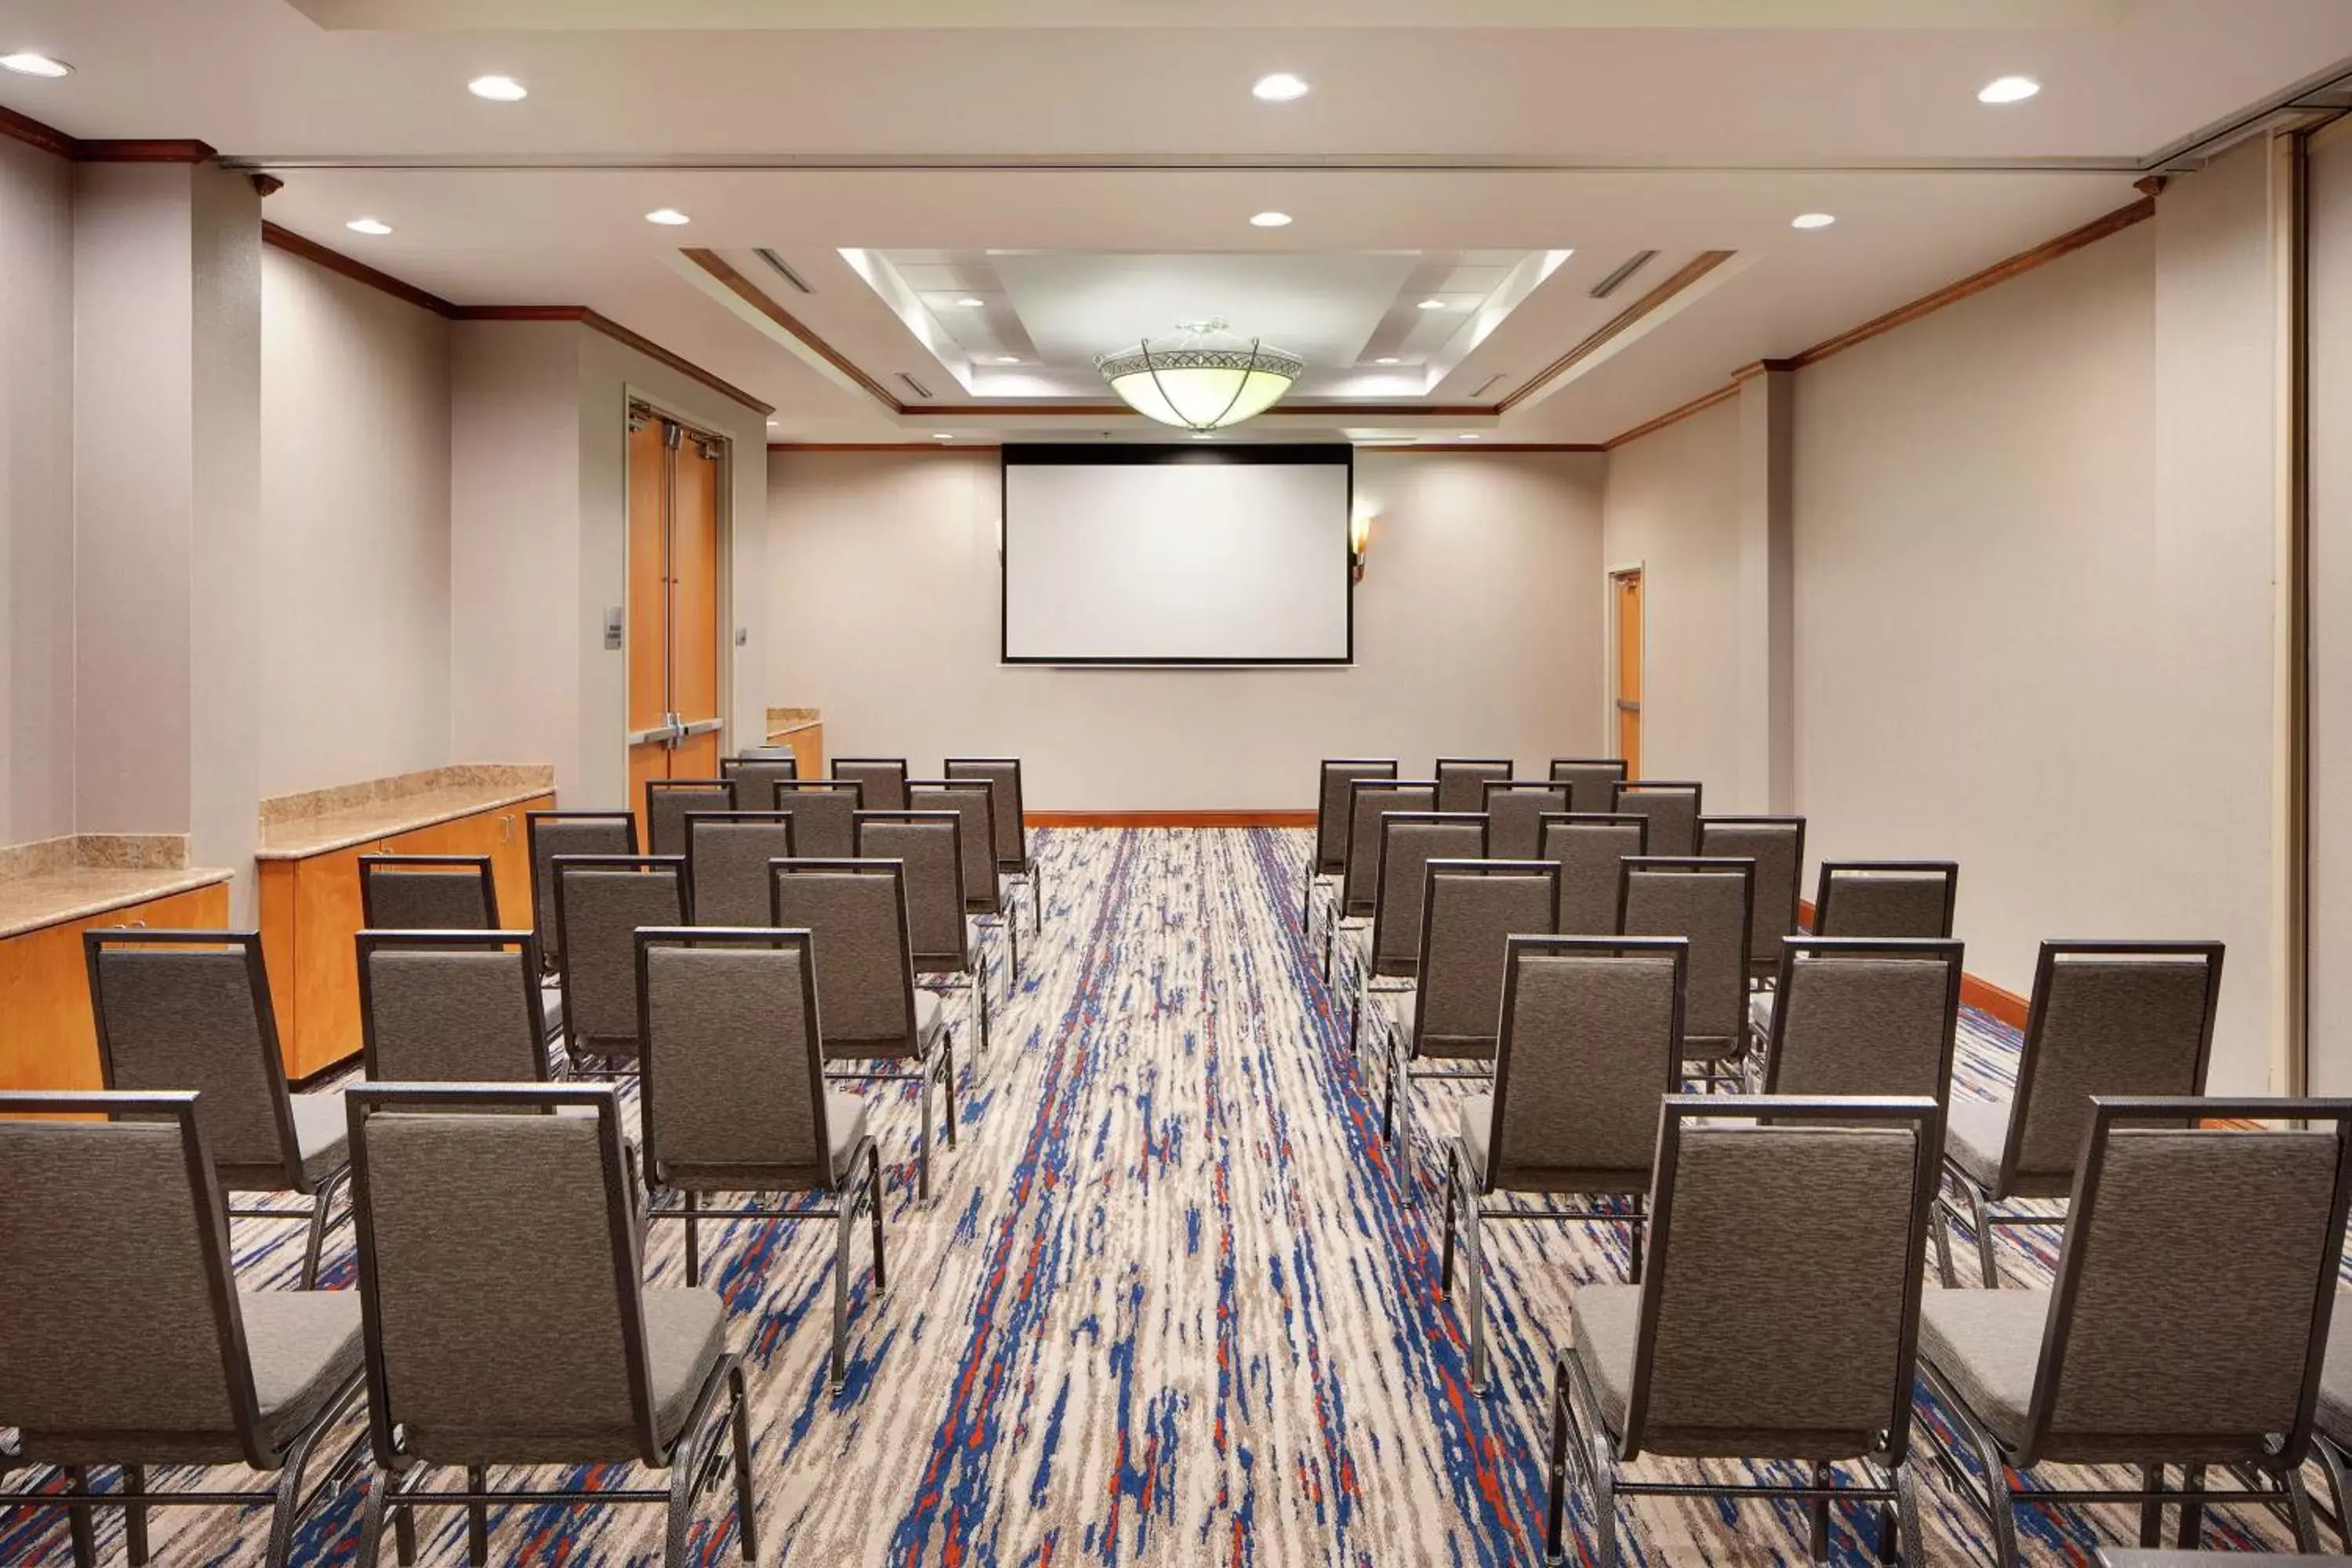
(1627, 269)
(786, 273)
(920, 389)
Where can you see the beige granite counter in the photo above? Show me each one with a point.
(783, 722)
(78, 892)
(297, 837)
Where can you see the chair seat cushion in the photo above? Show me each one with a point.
(1987, 1345)
(1974, 1131)
(686, 1333)
(305, 1346)
(551, 1002)
(1605, 1320)
(931, 1016)
(845, 1125)
(1760, 1012)
(322, 1132)
(2335, 1376)
(1474, 1116)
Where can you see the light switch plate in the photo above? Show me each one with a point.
(742, 637)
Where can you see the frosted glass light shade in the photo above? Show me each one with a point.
(1197, 384)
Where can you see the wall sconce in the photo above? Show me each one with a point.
(1359, 544)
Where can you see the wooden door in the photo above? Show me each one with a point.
(1625, 595)
(675, 477)
(693, 630)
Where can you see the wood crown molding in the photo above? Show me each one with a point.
(1698, 266)
(100, 150)
(335, 262)
(1705, 400)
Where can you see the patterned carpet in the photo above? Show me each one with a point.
(1167, 1309)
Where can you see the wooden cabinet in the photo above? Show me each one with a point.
(48, 1039)
(310, 911)
(807, 743)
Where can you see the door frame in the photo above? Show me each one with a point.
(633, 396)
(1637, 567)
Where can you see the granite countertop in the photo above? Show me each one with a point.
(303, 836)
(793, 727)
(78, 892)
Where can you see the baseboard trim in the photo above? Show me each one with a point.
(2006, 1006)
(1170, 818)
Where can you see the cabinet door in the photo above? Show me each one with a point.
(510, 852)
(51, 1039)
(325, 1027)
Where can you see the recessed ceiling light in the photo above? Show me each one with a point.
(498, 89)
(1811, 220)
(28, 63)
(1432, 304)
(1203, 435)
(1387, 359)
(669, 217)
(2008, 89)
(969, 303)
(1271, 220)
(1279, 88)
(1471, 435)
(942, 436)
(368, 225)
(1008, 359)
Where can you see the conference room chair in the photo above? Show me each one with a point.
(1885, 898)
(735, 1101)
(1708, 901)
(1776, 1320)
(1776, 845)
(727, 856)
(1411, 840)
(2105, 1018)
(1591, 1045)
(600, 902)
(551, 832)
(507, 1323)
(883, 779)
(1462, 781)
(822, 813)
(1350, 913)
(452, 1007)
(1446, 1027)
(668, 800)
(123, 1339)
(930, 845)
(191, 1010)
(1328, 860)
(868, 1009)
(2186, 1324)
(1592, 782)
(985, 898)
(1517, 808)
(2331, 1423)
(1015, 863)
(1864, 1016)
(757, 774)
(1672, 807)
(1587, 847)
(427, 893)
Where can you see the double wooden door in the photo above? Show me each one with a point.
(677, 477)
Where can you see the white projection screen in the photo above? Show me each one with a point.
(1162, 555)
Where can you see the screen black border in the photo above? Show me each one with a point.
(1065, 454)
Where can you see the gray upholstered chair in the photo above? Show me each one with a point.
(1591, 1043)
(727, 856)
(507, 1323)
(191, 1010)
(1672, 807)
(2332, 1438)
(2107, 1017)
(600, 901)
(929, 844)
(427, 893)
(1517, 808)
(1327, 859)
(1859, 1016)
(756, 776)
(1411, 840)
(1588, 847)
(1009, 811)
(883, 780)
(668, 800)
(1777, 1319)
(1447, 1026)
(735, 1099)
(124, 1340)
(869, 1010)
(822, 811)
(1462, 781)
(1593, 783)
(1707, 901)
(1359, 880)
(452, 1007)
(553, 833)
(985, 900)
(2186, 1324)
(1885, 898)
(1776, 845)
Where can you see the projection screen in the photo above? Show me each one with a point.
(1162, 555)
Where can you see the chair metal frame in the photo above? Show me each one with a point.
(542, 921)
(1946, 951)
(1368, 979)
(834, 776)
(1342, 913)
(1551, 772)
(1322, 874)
(478, 864)
(996, 913)
(371, 943)
(1730, 1068)
(970, 979)
(1566, 790)
(1024, 872)
(665, 786)
(1763, 973)
(772, 818)
(576, 1043)
(1827, 878)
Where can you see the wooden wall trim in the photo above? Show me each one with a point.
(33, 133)
(1723, 393)
(1170, 818)
(759, 298)
(100, 150)
(335, 262)
(1691, 271)
(678, 362)
(2008, 1007)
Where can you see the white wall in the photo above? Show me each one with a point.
(1477, 633)
(355, 497)
(2331, 592)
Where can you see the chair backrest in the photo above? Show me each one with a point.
(1707, 901)
(452, 1007)
(1517, 808)
(1587, 846)
(493, 1235)
(975, 801)
(1331, 803)
(727, 856)
(1470, 910)
(822, 810)
(1781, 1285)
(1368, 800)
(1864, 1016)
(191, 1009)
(1592, 782)
(427, 893)
(2196, 1283)
(553, 833)
(1776, 845)
(1411, 840)
(1885, 898)
(1671, 804)
(884, 780)
(1591, 1041)
(855, 913)
(667, 801)
(123, 1318)
(1006, 805)
(1462, 781)
(756, 777)
(731, 1077)
(2111, 1018)
(929, 844)
(600, 901)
